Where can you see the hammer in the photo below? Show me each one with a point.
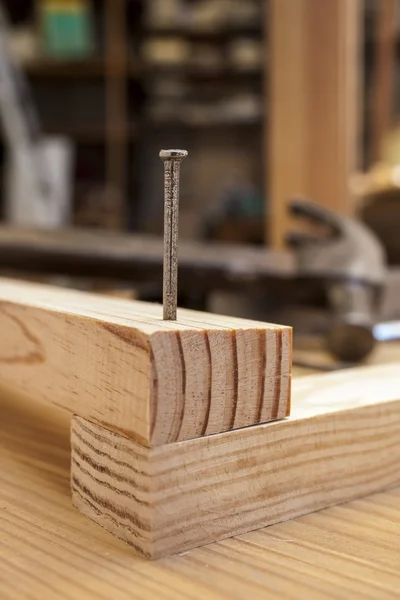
(352, 263)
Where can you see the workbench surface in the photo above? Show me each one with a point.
(48, 550)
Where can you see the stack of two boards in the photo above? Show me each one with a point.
(179, 435)
(150, 400)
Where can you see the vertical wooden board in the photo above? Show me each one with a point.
(383, 76)
(286, 123)
(334, 75)
(314, 113)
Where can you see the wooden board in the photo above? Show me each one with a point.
(341, 443)
(383, 76)
(49, 551)
(116, 362)
(313, 76)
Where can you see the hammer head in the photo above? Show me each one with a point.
(352, 263)
(350, 251)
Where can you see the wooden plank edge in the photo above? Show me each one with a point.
(117, 363)
(176, 497)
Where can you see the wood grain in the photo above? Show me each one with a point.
(313, 124)
(383, 76)
(116, 362)
(340, 443)
(49, 551)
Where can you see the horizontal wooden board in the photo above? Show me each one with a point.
(116, 362)
(341, 443)
(49, 551)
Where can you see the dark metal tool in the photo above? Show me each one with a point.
(172, 161)
(351, 260)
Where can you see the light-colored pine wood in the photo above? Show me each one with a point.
(313, 76)
(341, 443)
(286, 126)
(49, 551)
(384, 76)
(118, 363)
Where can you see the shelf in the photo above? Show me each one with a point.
(86, 134)
(95, 67)
(45, 67)
(225, 74)
(216, 35)
(151, 124)
(96, 135)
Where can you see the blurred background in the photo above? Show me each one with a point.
(119, 79)
(273, 99)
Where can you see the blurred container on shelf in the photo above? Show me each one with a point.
(237, 216)
(66, 28)
(208, 15)
(202, 16)
(22, 207)
(24, 44)
(246, 54)
(166, 52)
(236, 109)
(242, 107)
(163, 14)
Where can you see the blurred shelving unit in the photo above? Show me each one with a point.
(203, 78)
(253, 89)
(133, 90)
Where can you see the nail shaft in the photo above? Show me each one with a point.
(172, 160)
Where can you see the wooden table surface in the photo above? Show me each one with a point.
(48, 550)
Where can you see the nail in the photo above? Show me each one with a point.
(172, 161)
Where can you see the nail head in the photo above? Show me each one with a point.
(173, 154)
